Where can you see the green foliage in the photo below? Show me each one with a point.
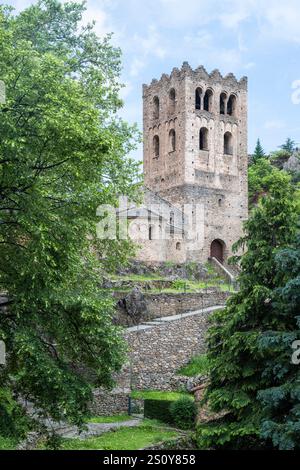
(8, 443)
(198, 365)
(179, 284)
(240, 368)
(258, 152)
(62, 154)
(281, 395)
(183, 412)
(13, 423)
(289, 146)
(259, 179)
(279, 158)
(158, 409)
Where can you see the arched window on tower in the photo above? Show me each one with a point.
(228, 143)
(208, 99)
(156, 146)
(223, 97)
(172, 140)
(231, 105)
(198, 98)
(155, 107)
(203, 138)
(172, 101)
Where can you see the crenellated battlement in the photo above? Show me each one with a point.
(201, 74)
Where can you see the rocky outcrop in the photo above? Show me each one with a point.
(293, 163)
(134, 304)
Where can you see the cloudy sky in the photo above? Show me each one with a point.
(257, 38)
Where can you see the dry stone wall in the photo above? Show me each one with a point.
(156, 353)
(165, 304)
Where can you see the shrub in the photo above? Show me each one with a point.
(158, 409)
(198, 365)
(13, 422)
(179, 284)
(183, 412)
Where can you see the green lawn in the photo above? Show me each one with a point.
(109, 419)
(123, 439)
(198, 365)
(7, 443)
(157, 395)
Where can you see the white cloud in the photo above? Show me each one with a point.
(151, 43)
(136, 66)
(126, 90)
(274, 124)
(249, 65)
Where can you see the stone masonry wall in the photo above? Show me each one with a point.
(172, 304)
(166, 304)
(157, 353)
(107, 403)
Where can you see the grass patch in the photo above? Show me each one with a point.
(157, 395)
(123, 439)
(8, 443)
(198, 365)
(138, 277)
(109, 419)
(180, 286)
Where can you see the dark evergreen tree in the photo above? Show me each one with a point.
(289, 146)
(258, 152)
(281, 420)
(238, 362)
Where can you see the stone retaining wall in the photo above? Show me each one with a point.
(107, 403)
(165, 304)
(162, 305)
(157, 353)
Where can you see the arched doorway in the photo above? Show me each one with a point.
(217, 250)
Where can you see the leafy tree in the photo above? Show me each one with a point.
(259, 179)
(258, 152)
(289, 146)
(238, 362)
(62, 153)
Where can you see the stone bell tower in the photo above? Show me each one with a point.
(195, 152)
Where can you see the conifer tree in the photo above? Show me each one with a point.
(238, 360)
(258, 152)
(288, 146)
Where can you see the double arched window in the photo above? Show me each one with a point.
(204, 102)
(203, 138)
